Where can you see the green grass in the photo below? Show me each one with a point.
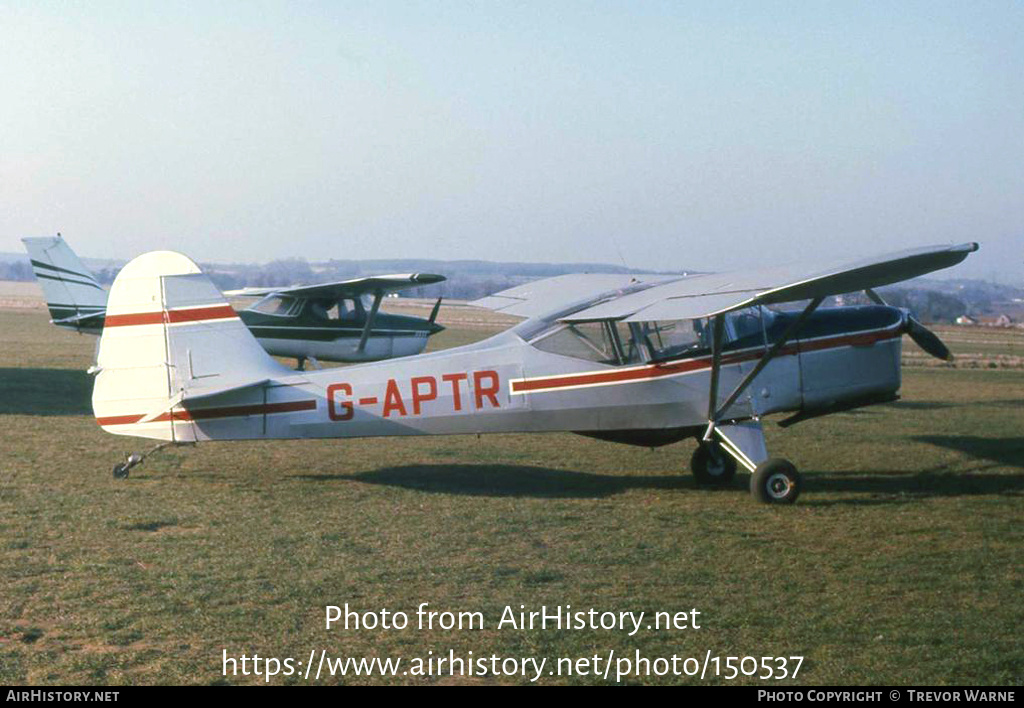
(901, 563)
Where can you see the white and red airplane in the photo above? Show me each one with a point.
(644, 360)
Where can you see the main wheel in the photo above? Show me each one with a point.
(776, 481)
(120, 471)
(711, 465)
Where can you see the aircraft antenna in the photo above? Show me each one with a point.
(619, 252)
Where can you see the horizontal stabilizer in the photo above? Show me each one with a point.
(199, 393)
(94, 318)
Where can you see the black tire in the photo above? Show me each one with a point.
(712, 466)
(120, 471)
(776, 481)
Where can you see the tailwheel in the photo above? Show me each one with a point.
(711, 465)
(776, 481)
(122, 469)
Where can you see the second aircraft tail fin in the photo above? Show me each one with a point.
(74, 297)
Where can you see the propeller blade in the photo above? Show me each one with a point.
(434, 327)
(927, 340)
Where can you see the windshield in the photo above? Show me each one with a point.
(280, 305)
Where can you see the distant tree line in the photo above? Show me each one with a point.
(925, 304)
(15, 270)
(466, 280)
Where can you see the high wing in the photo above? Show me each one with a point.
(346, 288)
(709, 295)
(540, 297)
(588, 298)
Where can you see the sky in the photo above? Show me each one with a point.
(676, 135)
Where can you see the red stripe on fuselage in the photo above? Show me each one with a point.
(193, 314)
(655, 371)
(207, 413)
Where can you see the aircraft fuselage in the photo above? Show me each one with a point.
(507, 384)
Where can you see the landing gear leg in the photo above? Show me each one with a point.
(301, 363)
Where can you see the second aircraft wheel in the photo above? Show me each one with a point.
(711, 465)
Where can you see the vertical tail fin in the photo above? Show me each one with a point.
(171, 347)
(74, 297)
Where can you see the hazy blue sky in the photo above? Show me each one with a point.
(682, 135)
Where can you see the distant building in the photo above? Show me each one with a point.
(1002, 320)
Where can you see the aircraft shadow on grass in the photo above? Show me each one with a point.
(531, 481)
(1008, 452)
(507, 481)
(1014, 403)
(937, 482)
(920, 405)
(890, 487)
(45, 392)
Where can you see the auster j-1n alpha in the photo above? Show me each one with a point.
(644, 360)
(337, 321)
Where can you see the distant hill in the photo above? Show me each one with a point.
(933, 299)
(467, 279)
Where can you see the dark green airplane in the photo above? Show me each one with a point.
(339, 321)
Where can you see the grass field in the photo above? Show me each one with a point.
(901, 563)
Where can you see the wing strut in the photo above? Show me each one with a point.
(377, 297)
(716, 413)
(716, 366)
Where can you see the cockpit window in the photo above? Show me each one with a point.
(678, 338)
(745, 323)
(345, 310)
(747, 328)
(280, 305)
(588, 340)
(621, 343)
(631, 342)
